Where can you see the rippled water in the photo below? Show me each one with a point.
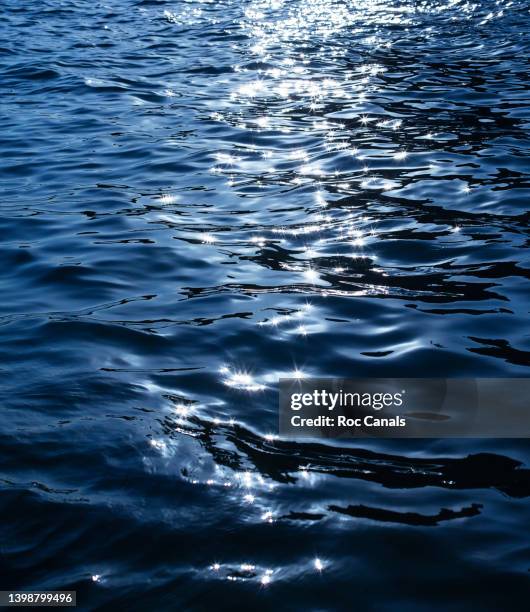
(200, 197)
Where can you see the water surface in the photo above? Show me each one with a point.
(200, 197)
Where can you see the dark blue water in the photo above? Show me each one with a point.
(200, 197)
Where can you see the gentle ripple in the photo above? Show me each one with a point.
(199, 197)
